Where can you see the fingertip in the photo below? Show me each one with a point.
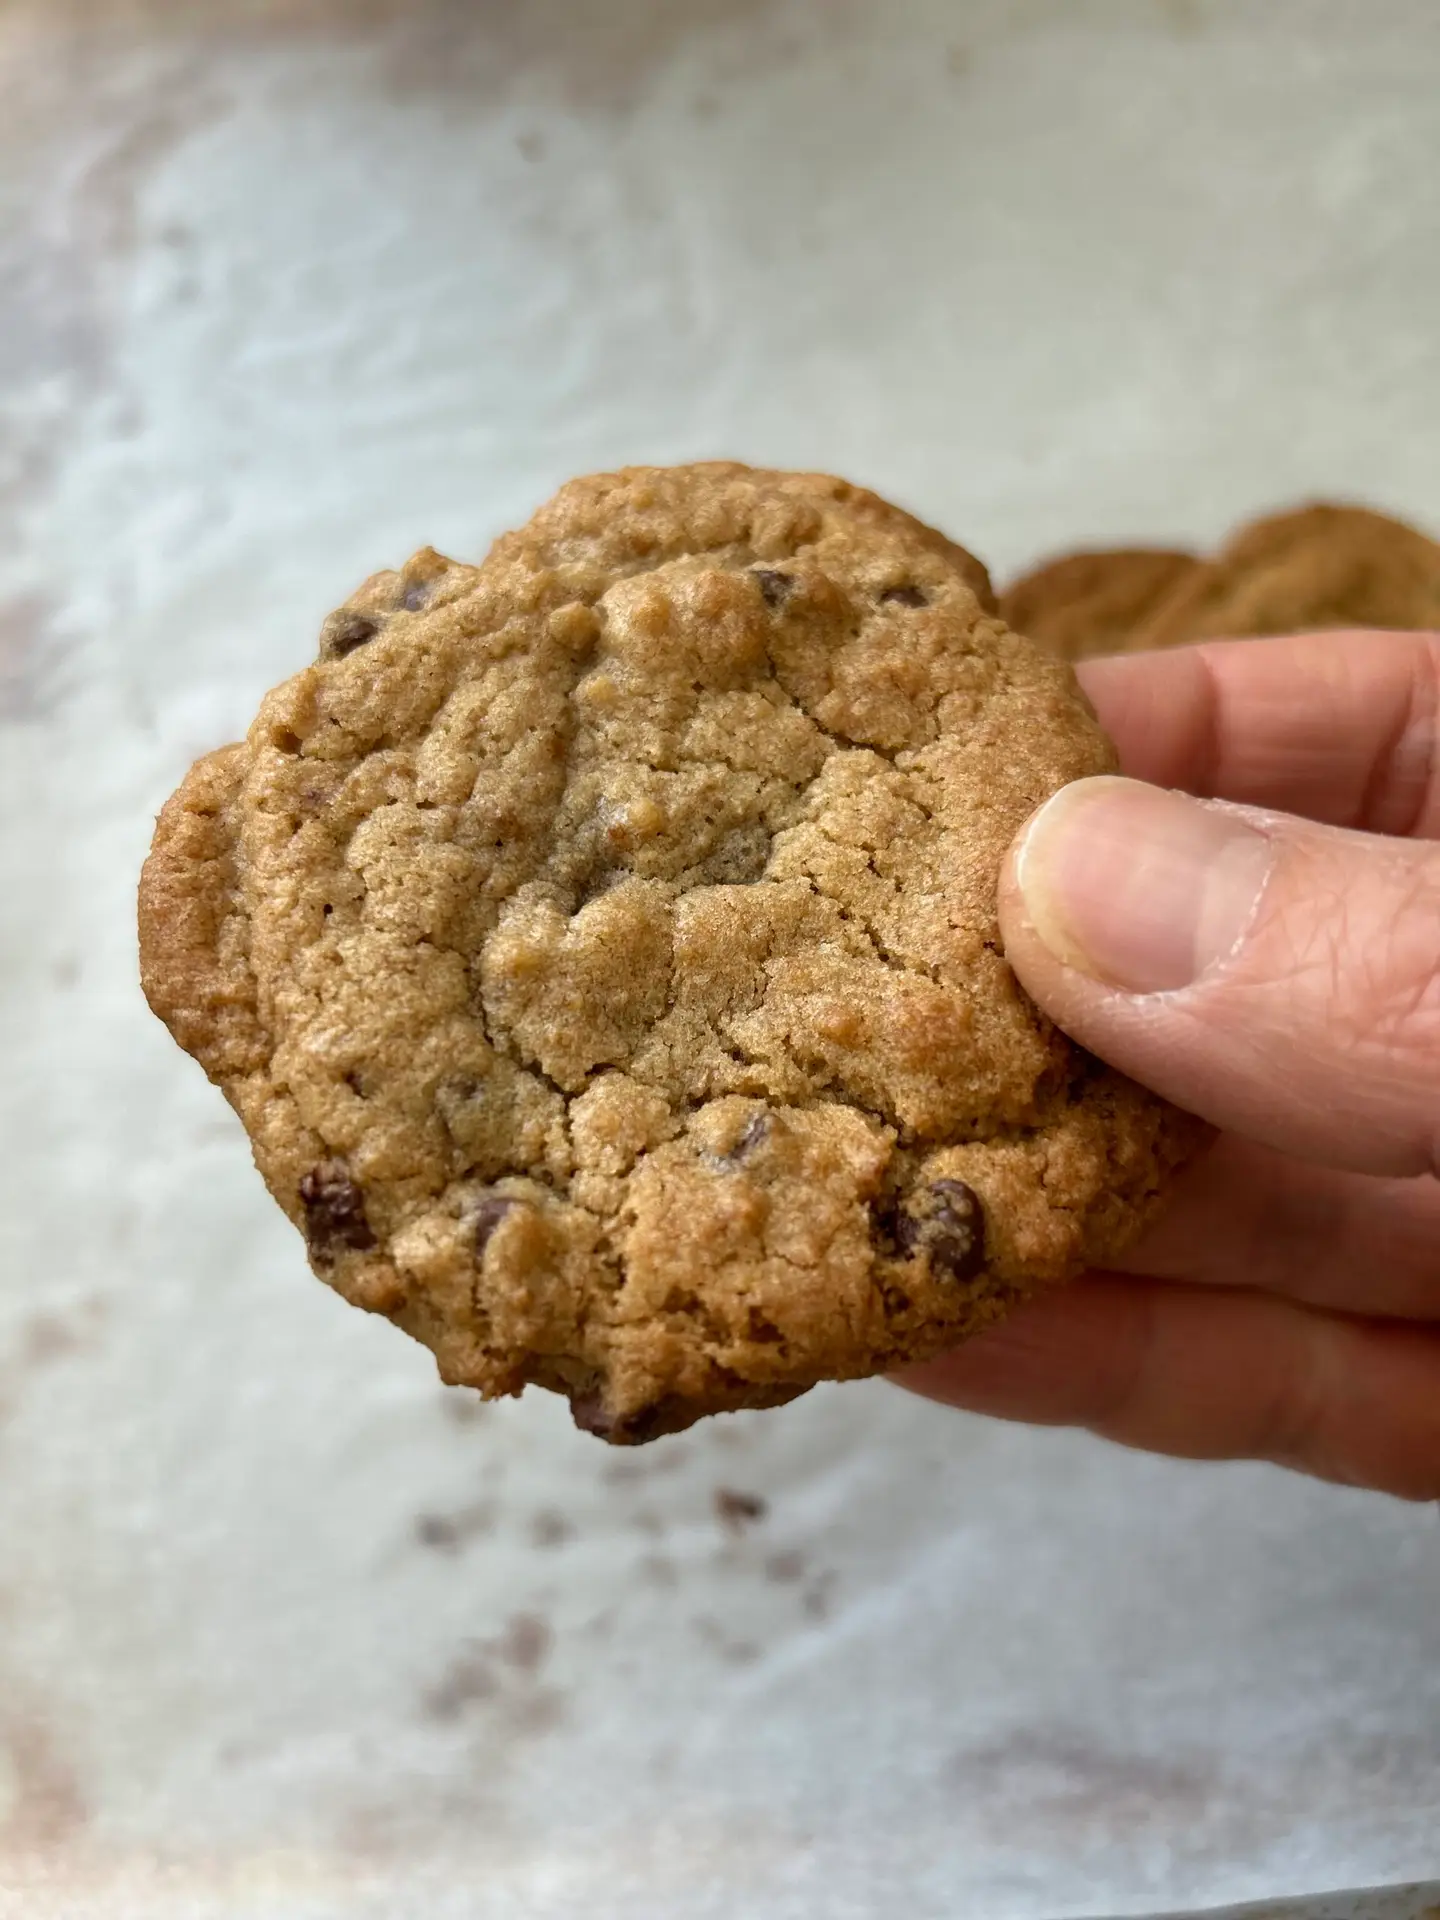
(1060, 1359)
(1137, 887)
(1040, 952)
(1160, 710)
(1211, 1374)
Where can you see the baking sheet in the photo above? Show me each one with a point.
(286, 1629)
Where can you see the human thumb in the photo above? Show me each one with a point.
(1281, 979)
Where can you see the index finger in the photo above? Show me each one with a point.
(1337, 727)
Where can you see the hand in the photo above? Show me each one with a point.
(1269, 958)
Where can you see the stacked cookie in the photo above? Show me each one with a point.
(1319, 566)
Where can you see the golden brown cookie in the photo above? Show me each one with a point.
(1088, 603)
(1318, 566)
(600, 948)
(1314, 567)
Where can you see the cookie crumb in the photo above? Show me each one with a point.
(525, 1642)
(435, 1531)
(550, 1529)
(785, 1567)
(738, 1510)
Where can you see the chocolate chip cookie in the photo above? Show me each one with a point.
(1314, 567)
(600, 947)
(1319, 566)
(1088, 603)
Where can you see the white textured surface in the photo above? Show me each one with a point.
(286, 1630)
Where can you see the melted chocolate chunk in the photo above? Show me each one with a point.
(740, 859)
(669, 1414)
(488, 1215)
(944, 1222)
(344, 632)
(587, 1410)
(774, 587)
(335, 1220)
(761, 1330)
(755, 1130)
(904, 597)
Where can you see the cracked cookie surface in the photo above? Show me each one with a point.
(1311, 568)
(600, 948)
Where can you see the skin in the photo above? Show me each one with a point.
(1287, 1306)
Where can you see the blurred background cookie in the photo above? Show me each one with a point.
(1317, 566)
(1311, 567)
(1085, 603)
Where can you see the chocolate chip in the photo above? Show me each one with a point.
(335, 1220)
(755, 1130)
(944, 1222)
(903, 597)
(646, 1423)
(344, 632)
(416, 596)
(774, 587)
(587, 1410)
(600, 879)
(488, 1215)
(669, 1414)
(740, 859)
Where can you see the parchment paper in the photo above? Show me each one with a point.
(287, 1630)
